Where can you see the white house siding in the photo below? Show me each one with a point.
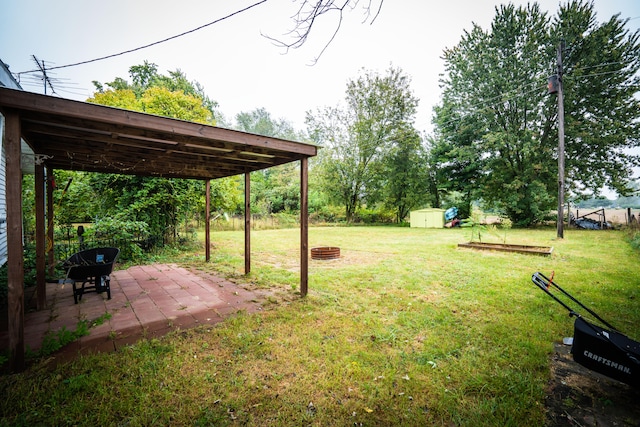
(6, 80)
(3, 201)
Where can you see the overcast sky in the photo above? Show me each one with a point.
(238, 67)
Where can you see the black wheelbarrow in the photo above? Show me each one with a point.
(89, 271)
(602, 349)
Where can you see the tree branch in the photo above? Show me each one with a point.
(308, 15)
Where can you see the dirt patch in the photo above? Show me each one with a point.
(577, 396)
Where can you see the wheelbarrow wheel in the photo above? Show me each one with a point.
(105, 285)
(77, 292)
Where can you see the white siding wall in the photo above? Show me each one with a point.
(7, 80)
(3, 199)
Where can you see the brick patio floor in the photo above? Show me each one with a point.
(146, 301)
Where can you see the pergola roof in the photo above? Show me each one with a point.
(80, 136)
(72, 135)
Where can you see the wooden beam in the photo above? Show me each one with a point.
(247, 223)
(95, 138)
(304, 226)
(15, 273)
(50, 252)
(41, 286)
(207, 220)
(131, 122)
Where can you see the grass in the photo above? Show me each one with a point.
(404, 329)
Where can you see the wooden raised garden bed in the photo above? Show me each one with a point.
(523, 249)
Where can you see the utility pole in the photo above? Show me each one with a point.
(560, 145)
(555, 86)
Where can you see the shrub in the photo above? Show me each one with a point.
(132, 236)
(29, 267)
(634, 238)
(327, 214)
(374, 216)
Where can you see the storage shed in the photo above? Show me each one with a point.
(428, 218)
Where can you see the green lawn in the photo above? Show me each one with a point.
(404, 329)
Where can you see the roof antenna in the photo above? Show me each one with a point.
(45, 78)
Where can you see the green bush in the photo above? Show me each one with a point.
(374, 216)
(29, 268)
(287, 219)
(327, 214)
(132, 236)
(634, 238)
(29, 276)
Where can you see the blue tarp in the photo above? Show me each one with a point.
(450, 213)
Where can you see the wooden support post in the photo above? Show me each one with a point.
(304, 226)
(15, 273)
(207, 221)
(247, 223)
(41, 285)
(50, 251)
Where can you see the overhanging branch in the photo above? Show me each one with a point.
(308, 15)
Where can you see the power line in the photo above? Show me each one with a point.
(604, 73)
(536, 86)
(150, 44)
(600, 65)
(506, 96)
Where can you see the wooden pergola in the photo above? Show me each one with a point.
(80, 136)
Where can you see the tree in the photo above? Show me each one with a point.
(259, 121)
(602, 110)
(405, 176)
(160, 203)
(276, 189)
(169, 96)
(357, 138)
(496, 129)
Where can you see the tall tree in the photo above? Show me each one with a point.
(357, 138)
(123, 94)
(259, 121)
(150, 92)
(160, 203)
(405, 179)
(496, 128)
(275, 189)
(602, 110)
